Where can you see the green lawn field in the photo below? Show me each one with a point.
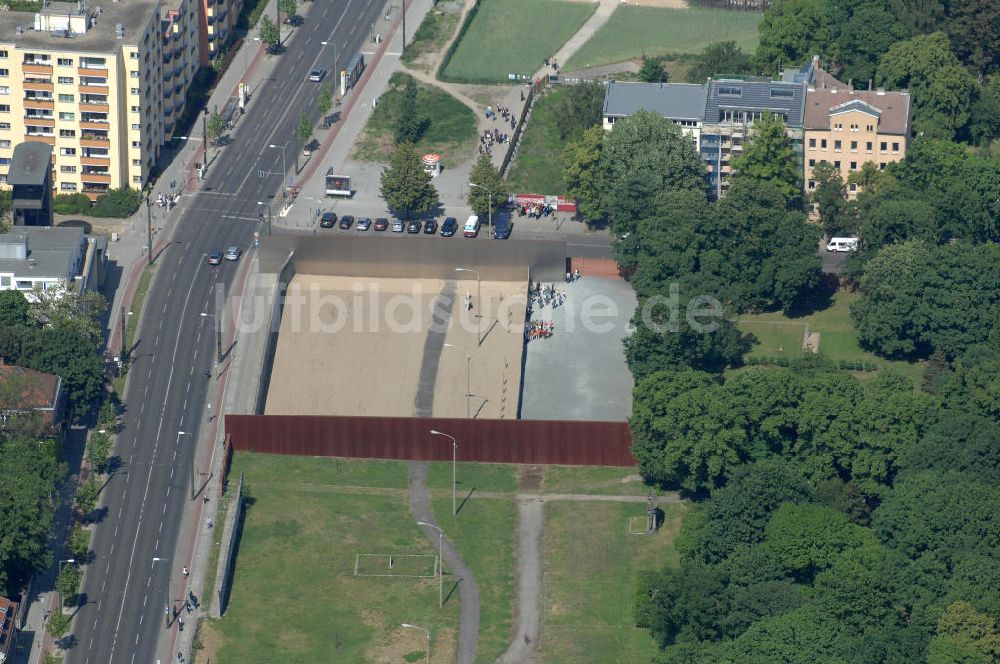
(590, 572)
(537, 167)
(514, 37)
(451, 131)
(434, 32)
(781, 336)
(634, 31)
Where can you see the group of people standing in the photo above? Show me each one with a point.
(493, 136)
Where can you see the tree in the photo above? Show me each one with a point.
(304, 129)
(288, 7)
(78, 544)
(966, 443)
(485, 174)
(791, 32)
(942, 90)
(809, 538)
(581, 172)
(984, 121)
(60, 307)
(324, 101)
(829, 196)
(648, 349)
(769, 156)
(966, 636)
(119, 203)
(719, 59)
(405, 185)
(268, 33)
(78, 203)
(654, 69)
(409, 125)
(215, 127)
(861, 33)
(974, 28)
(71, 355)
(5, 201)
(68, 583)
(579, 108)
(59, 624)
(86, 496)
(98, 450)
(14, 309)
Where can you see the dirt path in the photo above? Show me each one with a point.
(468, 616)
(596, 21)
(528, 620)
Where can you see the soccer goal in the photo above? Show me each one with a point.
(406, 565)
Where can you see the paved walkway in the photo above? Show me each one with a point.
(583, 35)
(468, 612)
(528, 618)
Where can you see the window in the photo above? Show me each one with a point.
(881, 167)
(4, 143)
(66, 80)
(726, 91)
(4, 90)
(137, 162)
(883, 146)
(854, 146)
(822, 143)
(4, 108)
(3, 55)
(812, 185)
(782, 92)
(854, 165)
(868, 146)
(65, 115)
(66, 98)
(67, 133)
(135, 109)
(137, 144)
(134, 74)
(4, 72)
(838, 127)
(854, 187)
(134, 91)
(67, 169)
(134, 55)
(4, 125)
(869, 127)
(67, 152)
(812, 162)
(854, 127)
(65, 62)
(812, 143)
(136, 125)
(836, 165)
(67, 186)
(137, 179)
(836, 146)
(895, 147)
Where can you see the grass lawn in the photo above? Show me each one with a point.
(590, 571)
(838, 339)
(514, 37)
(437, 28)
(132, 320)
(484, 533)
(451, 132)
(595, 480)
(537, 167)
(294, 595)
(634, 31)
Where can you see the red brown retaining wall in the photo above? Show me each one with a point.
(573, 443)
(596, 267)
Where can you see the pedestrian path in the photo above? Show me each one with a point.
(582, 36)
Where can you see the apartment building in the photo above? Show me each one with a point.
(182, 56)
(682, 103)
(216, 21)
(849, 128)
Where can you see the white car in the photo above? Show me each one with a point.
(233, 253)
(317, 75)
(839, 244)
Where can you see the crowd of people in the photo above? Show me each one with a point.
(535, 210)
(538, 329)
(493, 136)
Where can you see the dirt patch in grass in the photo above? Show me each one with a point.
(529, 478)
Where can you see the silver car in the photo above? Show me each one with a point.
(233, 253)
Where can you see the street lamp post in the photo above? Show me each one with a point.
(489, 210)
(468, 376)
(428, 633)
(59, 594)
(284, 170)
(454, 460)
(218, 334)
(479, 303)
(440, 560)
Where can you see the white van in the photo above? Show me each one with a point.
(842, 244)
(471, 227)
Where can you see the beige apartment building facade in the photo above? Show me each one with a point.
(102, 84)
(849, 128)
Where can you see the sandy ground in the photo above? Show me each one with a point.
(349, 346)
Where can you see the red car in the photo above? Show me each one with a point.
(381, 224)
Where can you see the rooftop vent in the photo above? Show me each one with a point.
(119, 29)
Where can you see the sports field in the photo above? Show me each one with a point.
(514, 37)
(634, 31)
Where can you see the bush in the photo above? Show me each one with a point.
(119, 203)
(71, 204)
(79, 544)
(86, 496)
(107, 417)
(58, 625)
(98, 450)
(68, 584)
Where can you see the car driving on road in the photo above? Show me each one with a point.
(233, 253)
(215, 257)
(317, 75)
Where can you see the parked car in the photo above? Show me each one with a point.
(317, 75)
(413, 226)
(233, 253)
(364, 223)
(471, 228)
(449, 226)
(381, 224)
(502, 226)
(328, 220)
(431, 227)
(346, 221)
(838, 244)
(397, 225)
(215, 257)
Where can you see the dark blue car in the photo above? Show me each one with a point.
(449, 227)
(502, 226)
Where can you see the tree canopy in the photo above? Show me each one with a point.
(406, 187)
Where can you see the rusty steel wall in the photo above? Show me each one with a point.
(563, 442)
(395, 257)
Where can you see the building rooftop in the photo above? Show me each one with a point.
(676, 101)
(72, 27)
(37, 390)
(30, 164)
(892, 108)
(780, 97)
(40, 251)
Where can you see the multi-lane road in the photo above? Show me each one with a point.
(127, 588)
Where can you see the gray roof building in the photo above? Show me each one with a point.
(676, 101)
(30, 164)
(45, 256)
(738, 96)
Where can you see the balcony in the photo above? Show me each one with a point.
(43, 67)
(94, 141)
(94, 107)
(39, 121)
(95, 178)
(94, 89)
(94, 124)
(95, 161)
(39, 138)
(43, 86)
(92, 70)
(35, 102)
(96, 189)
